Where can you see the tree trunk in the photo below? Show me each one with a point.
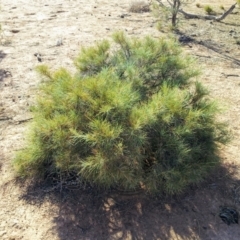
(175, 10)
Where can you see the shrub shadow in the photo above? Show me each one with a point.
(230, 24)
(215, 48)
(185, 39)
(90, 213)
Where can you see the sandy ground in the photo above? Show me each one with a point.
(28, 212)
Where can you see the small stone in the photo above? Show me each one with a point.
(59, 42)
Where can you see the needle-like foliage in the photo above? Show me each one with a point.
(127, 118)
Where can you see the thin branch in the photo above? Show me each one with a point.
(224, 15)
(160, 3)
(170, 3)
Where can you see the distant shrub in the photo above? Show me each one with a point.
(139, 7)
(208, 9)
(130, 117)
(222, 7)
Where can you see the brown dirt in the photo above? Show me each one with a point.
(28, 211)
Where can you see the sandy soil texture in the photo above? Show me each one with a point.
(52, 32)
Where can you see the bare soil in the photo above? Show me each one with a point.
(53, 32)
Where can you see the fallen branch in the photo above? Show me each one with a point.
(207, 17)
(23, 120)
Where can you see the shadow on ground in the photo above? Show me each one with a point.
(88, 213)
(186, 39)
(2, 55)
(3, 73)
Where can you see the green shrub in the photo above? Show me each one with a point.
(208, 9)
(222, 7)
(127, 118)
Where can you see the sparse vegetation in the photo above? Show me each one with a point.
(175, 6)
(127, 118)
(172, 9)
(222, 7)
(208, 9)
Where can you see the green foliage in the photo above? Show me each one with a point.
(169, 9)
(208, 9)
(145, 63)
(127, 118)
(222, 7)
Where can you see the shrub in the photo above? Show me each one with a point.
(222, 7)
(127, 118)
(139, 7)
(208, 9)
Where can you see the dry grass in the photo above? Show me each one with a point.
(139, 7)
